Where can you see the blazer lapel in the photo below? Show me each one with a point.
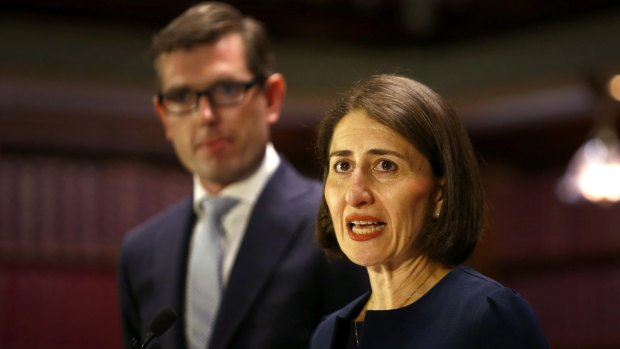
(268, 236)
(169, 262)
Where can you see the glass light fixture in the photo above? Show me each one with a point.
(593, 173)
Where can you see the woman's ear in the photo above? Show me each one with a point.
(438, 199)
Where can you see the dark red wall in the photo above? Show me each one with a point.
(64, 209)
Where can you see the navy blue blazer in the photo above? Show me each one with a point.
(465, 310)
(280, 286)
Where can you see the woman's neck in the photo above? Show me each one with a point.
(401, 286)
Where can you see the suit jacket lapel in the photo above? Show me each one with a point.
(169, 262)
(267, 238)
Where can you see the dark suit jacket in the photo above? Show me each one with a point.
(280, 286)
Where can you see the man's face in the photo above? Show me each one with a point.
(222, 144)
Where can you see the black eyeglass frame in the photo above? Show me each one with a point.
(207, 92)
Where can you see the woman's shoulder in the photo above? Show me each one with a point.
(470, 275)
(466, 282)
(498, 311)
(473, 290)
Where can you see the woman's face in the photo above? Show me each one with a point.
(380, 191)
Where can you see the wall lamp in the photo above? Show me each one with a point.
(593, 173)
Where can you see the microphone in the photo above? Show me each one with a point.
(160, 323)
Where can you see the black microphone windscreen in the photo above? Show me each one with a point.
(162, 321)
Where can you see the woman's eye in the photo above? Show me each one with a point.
(342, 166)
(386, 166)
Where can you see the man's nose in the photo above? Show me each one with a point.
(205, 108)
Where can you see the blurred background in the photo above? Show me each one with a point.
(83, 158)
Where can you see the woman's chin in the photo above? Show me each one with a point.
(362, 259)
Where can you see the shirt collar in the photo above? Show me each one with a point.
(247, 190)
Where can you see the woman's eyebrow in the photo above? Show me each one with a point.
(386, 152)
(345, 153)
(340, 153)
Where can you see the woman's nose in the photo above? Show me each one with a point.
(359, 193)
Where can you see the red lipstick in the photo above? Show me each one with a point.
(364, 228)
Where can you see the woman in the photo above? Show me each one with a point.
(403, 198)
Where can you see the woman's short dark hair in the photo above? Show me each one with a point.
(425, 119)
(206, 23)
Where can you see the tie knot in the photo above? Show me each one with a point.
(217, 206)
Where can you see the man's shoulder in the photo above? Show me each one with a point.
(179, 213)
(289, 184)
(287, 172)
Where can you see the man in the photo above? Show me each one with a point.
(218, 97)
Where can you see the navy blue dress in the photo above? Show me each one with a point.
(464, 310)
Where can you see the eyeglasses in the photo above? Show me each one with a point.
(224, 93)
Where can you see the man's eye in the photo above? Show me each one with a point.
(226, 89)
(386, 166)
(179, 96)
(342, 166)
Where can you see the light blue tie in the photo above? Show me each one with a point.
(205, 272)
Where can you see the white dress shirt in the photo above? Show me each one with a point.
(236, 220)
